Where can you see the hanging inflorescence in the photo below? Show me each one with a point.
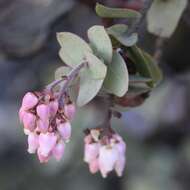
(110, 67)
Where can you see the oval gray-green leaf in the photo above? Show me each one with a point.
(117, 78)
(145, 65)
(119, 32)
(73, 48)
(107, 12)
(100, 42)
(91, 79)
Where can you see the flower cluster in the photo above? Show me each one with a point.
(46, 124)
(104, 153)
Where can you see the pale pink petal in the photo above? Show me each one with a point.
(70, 111)
(93, 166)
(53, 107)
(21, 114)
(120, 165)
(32, 143)
(58, 150)
(121, 147)
(107, 159)
(47, 142)
(65, 130)
(29, 101)
(43, 125)
(91, 152)
(43, 112)
(41, 157)
(26, 131)
(29, 121)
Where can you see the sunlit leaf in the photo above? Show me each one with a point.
(73, 48)
(100, 42)
(117, 78)
(107, 12)
(164, 15)
(91, 79)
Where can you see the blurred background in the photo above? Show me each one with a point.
(157, 133)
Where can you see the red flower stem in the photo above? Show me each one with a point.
(71, 76)
(50, 86)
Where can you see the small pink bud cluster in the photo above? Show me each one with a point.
(46, 124)
(104, 153)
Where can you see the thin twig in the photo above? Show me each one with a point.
(137, 23)
(50, 86)
(158, 48)
(71, 76)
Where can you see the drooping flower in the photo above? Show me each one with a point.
(104, 153)
(46, 124)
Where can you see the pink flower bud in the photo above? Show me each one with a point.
(29, 121)
(53, 107)
(58, 150)
(43, 112)
(43, 125)
(32, 143)
(29, 101)
(107, 159)
(91, 152)
(70, 111)
(21, 114)
(41, 157)
(93, 166)
(47, 142)
(65, 130)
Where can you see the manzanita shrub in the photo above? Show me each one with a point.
(109, 66)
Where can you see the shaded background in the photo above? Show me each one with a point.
(157, 133)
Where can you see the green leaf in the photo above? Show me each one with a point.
(107, 12)
(91, 79)
(135, 90)
(100, 42)
(119, 32)
(73, 48)
(164, 15)
(145, 65)
(117, 78)
(62, 71)
(138, 79)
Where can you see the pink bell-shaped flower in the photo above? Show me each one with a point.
(53, 107)
(91, 152)
(47, 142)
(94, 166)
(33, 143)
(43, 112)
(29, 121)
(43, 125)
(70, 111)
(65, 130)
(107, 159)
(29, 101)
(58, 150)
